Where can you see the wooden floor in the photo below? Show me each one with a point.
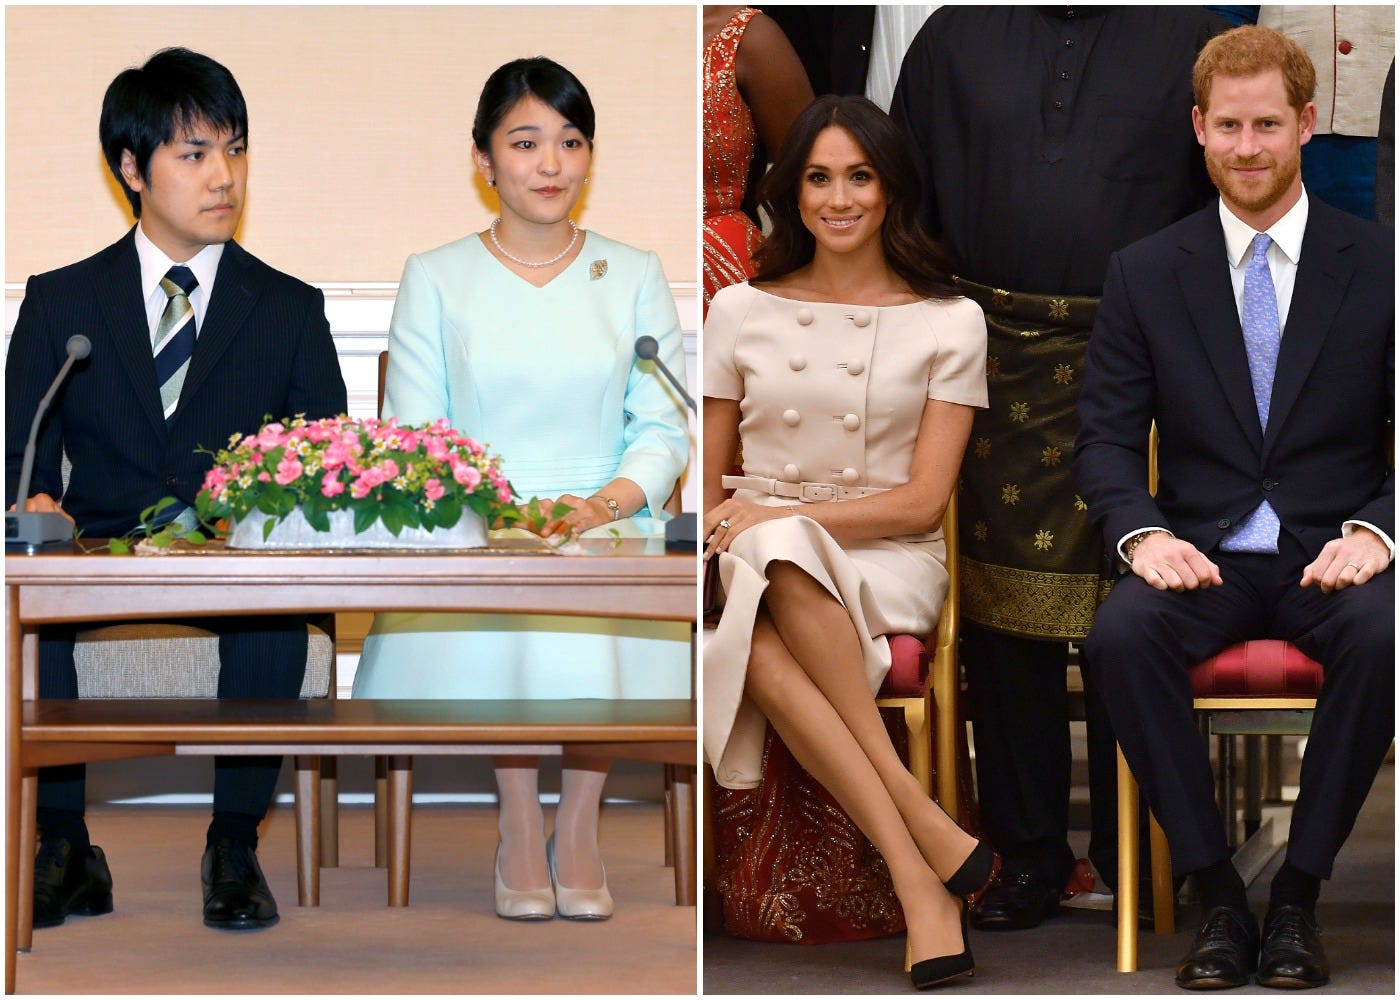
(448, 940)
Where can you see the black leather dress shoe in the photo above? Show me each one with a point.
(1291, 957)
(1225, 952)
(1015, 903)
(236, 896)
(64, 883)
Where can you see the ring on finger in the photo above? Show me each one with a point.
(1354, 566)
(724, 524)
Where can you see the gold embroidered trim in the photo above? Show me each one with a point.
(1030, 604)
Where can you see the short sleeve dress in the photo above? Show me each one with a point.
(828, 393)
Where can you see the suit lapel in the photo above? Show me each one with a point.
(1204, 279)
(234, 294)
(1324, 272)
(119, 298)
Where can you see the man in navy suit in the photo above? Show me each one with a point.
(1267, 362)
(193, 340)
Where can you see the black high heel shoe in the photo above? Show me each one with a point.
(974, 874)
(933, 972)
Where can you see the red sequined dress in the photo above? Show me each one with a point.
(730, 236)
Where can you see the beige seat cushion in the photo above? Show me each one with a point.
(169, 660)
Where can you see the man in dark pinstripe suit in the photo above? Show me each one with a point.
(175, 135)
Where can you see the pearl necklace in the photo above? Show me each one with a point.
(527, 263)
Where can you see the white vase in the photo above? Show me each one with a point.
(295, 532)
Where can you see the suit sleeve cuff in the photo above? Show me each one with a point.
(1350, 526)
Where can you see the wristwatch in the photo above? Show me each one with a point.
(612, 504)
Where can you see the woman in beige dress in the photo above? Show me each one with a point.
(850, 369)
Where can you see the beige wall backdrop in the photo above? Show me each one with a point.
(360, 125)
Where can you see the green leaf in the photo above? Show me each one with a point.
(195, 537)
(447, 512)
(365, 516)
(118, 547)
(163, 538)
(268, 525)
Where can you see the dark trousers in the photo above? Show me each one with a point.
(1019, 708)
(259, 657)
(1144, 641)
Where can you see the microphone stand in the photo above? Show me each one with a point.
(682, 534)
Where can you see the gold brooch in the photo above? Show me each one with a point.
(597, 269)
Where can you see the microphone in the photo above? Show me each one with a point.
(681, 531)
(645, 348)
(32, 531)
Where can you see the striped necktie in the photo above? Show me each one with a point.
(174, 343)
(1258, 532)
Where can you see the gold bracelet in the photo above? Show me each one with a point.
(1132, 546)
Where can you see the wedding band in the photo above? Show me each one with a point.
(724, 523)
(1354, 566)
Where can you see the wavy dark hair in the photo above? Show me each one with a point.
(913, 255)
(536, 76)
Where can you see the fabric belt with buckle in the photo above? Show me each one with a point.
(806, 492)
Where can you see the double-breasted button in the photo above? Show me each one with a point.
(792, 418)
(851, 422)
(856, 367)
(1269, 484)
(797, 362)
(861, 318)
(1344, 48)
(850, 476)
(791, 472)
(1223, 523)
(804, 316)
(171, 483)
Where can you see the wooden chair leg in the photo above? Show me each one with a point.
(330, 812)
(381, 812)
(28, 847)
(400, 824)
(308, 810)
(1127, 866)
(668, 780)
(683, 847)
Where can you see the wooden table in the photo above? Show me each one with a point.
(627, 579)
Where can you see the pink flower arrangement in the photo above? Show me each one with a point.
(421, 476)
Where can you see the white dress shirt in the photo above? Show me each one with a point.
(155, 264)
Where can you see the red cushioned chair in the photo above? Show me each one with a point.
(1264, 686)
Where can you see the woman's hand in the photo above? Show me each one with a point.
(727, 519)
(585, 513)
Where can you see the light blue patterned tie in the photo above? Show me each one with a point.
(1258, 532)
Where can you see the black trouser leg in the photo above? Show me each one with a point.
(64, 787)
(262, 657)
(1020, 721)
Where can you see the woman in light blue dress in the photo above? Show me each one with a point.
(522, 336)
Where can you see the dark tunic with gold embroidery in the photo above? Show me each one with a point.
(1035, 170)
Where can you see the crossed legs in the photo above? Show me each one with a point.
(805, 673)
